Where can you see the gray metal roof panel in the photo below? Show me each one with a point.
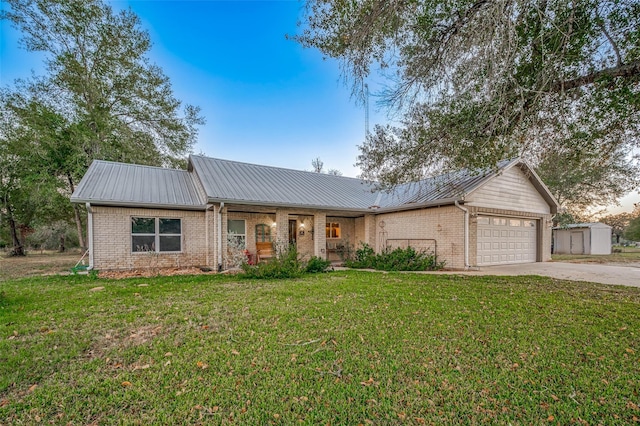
(119, 183)
(232, 180)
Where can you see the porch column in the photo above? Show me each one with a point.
(319, 235)
(370, 232)
(282, 230)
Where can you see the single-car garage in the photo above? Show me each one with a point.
(504, 240)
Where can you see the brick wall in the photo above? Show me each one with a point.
(443, 224)
(112, 239)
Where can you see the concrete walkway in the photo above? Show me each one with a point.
(592, 272)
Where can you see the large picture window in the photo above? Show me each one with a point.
(152, 234)
(333, 230)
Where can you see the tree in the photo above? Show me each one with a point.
(106, 100)
(633, 230)
(317, 165)
(477, 81)
(618, 223)
(30, 191)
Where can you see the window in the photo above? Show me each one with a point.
(483, 220)
(263, 233)
(529, 224)
(499, 221)
(152, 234)
(514, 222)
(333, 230)
(237, 231)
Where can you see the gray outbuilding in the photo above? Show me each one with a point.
(582, 238)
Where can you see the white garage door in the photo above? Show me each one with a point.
(504, 240)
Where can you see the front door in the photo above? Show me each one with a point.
(293, 234)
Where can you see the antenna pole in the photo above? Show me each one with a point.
(366, 110)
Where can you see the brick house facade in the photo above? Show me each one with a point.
(193, 218)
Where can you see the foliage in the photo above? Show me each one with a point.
(475, 82)
(100, 99)
(580, 179)
(58, 235)
(347, 348)
(618, 223)
(399, 259)
(285, 264)
(632, 232)
(317, 264)
(236, 247)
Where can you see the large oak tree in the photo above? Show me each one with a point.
(477, 81)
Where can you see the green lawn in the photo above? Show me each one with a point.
(337, 348)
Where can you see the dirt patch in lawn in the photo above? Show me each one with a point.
(149, 273)
(37, 264)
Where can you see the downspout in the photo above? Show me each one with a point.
(466, 233)
(90, 234)
(219, 242)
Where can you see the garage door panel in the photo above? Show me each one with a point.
(506, 240)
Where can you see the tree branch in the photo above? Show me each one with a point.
(624, 71)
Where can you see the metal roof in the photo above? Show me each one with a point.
(243, 183)
(233, 181)
(583, 225)
(454, 185)
(112, 183)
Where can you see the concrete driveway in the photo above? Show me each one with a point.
(628, 275)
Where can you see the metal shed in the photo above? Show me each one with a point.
(582, 238)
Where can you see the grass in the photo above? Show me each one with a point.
(629, 255)
(338, 348)
(37, 263)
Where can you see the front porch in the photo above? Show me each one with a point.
(252, 229)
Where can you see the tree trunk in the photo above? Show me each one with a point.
(61, 248)
(76, 216)
(18, 249)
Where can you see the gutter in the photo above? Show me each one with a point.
(90, 234)
(466, 233)
(219, 242)
(362, 210)
(133, 205)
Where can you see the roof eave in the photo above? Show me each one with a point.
(286, 205)
(133, 204)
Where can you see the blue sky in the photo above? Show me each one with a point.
(265, 98)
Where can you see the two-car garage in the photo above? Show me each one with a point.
(504, 240)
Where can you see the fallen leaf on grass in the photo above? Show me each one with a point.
(369, 382)
(32, 388)
(555, 398)
(126, 384)
(632, 406)
(234, 352)
(550, 418)
(96, 289)
(202, 365)
(630, 351)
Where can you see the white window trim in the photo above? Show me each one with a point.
(156, 235)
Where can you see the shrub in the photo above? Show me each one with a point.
(285, 265)
(407, 259)
(317, 264)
